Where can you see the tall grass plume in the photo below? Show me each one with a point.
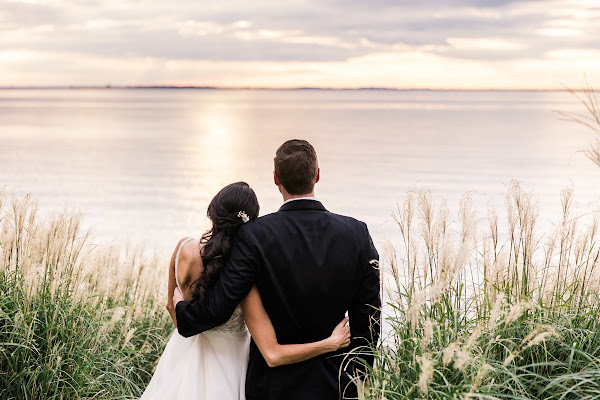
(77, 320)
(482, 305)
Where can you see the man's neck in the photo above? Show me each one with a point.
(287, 196)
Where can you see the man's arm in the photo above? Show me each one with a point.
(232, 285)
(365, 311)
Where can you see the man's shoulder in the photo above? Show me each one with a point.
(266, 228)
(274, 216)
(342, 221)
(264, 220)
(345, 219)
(352, 226)
(256, 225)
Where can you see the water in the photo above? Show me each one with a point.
(143, 164)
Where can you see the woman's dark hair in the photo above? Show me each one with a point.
(234, 205)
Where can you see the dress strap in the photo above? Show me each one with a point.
(177, 261)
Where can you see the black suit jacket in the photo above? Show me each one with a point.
(310, 266)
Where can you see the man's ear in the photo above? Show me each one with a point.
(275, 178)
(318, 175)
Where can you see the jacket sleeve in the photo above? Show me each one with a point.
(365, 310)
(231, 287)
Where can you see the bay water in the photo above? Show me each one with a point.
(143, 164)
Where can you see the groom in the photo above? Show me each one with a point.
(311, 267)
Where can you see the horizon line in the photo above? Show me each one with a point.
(199, 87)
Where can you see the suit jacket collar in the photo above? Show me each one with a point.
(303, 205)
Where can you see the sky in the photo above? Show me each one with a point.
(434, 44)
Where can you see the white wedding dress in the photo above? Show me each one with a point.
(209, 366)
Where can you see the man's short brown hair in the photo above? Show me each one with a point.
(296, 166)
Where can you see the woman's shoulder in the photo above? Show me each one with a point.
(189, 248)
(181, 242)
(190, 259)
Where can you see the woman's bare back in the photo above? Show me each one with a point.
(188, 265)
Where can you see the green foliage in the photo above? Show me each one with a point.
(484, 312)
(66, 331)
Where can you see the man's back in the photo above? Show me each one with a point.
(311, 267)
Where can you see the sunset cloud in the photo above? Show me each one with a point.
(330, 43)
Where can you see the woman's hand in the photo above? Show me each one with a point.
(340, 337)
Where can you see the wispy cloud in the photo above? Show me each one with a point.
(345, 43)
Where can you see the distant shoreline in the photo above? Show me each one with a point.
(166, 87)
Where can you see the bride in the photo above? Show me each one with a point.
(212, 365)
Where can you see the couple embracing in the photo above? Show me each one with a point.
(290, 277)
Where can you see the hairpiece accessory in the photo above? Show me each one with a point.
(244, 216)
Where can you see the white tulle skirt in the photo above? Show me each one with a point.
(209, 366)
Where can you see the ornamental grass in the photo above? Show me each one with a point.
(483, 306)
(77, 320)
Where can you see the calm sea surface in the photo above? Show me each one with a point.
(143, 164)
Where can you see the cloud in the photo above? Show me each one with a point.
(15, 15)
(338, 27)
(314, 32)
